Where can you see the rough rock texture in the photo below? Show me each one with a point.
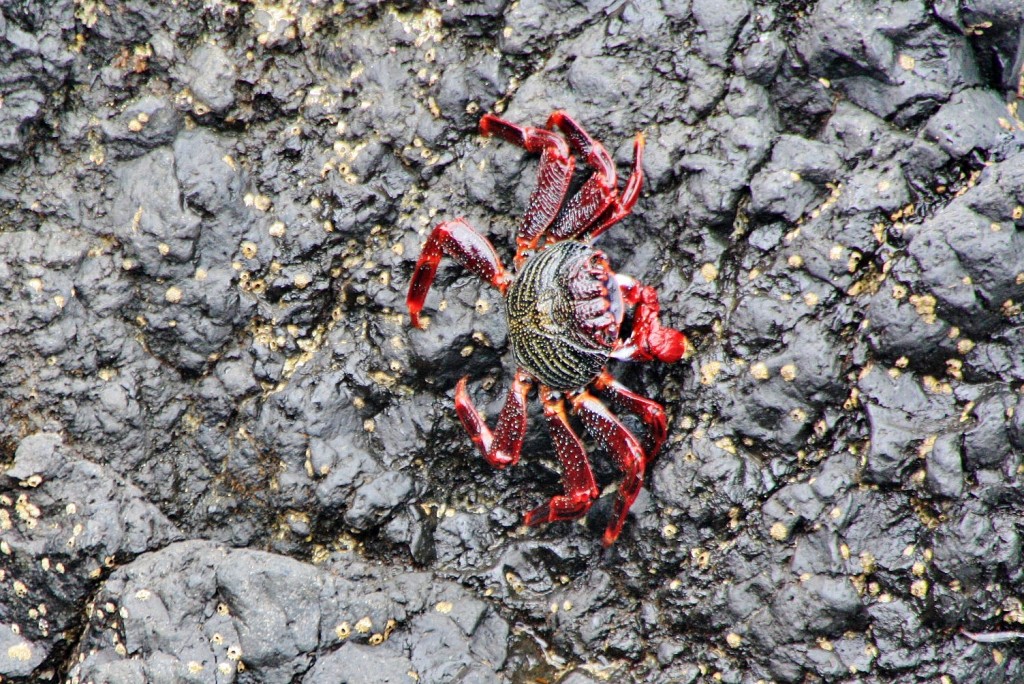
(227, 458)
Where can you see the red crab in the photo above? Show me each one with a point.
(564, 307)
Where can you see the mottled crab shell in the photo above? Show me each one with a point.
(564, 310)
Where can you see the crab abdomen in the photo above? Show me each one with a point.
(563, 311)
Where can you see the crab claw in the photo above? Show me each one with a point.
(666, 344)
(460, 241)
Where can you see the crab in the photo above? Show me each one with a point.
(566, 314)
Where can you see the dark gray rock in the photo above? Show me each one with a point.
(794, 179)
(972, 119)
(210, 74)
(976, 543)
(965, 256)
(65, 520)
(945, 468)
(532, 22)
(20, 110)
(898, 630)
(890, 60)
(377, 498)
(718, 24)
(198, 611)
(208, 220)
(36, 62)
(146, 123)
(358, 664)
(987, 443)
(23, 657)
(895, 408)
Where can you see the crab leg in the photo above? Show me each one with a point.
(622, 205)
(502, 447)
(578, 479)
(461, 242)
(553, 176)
(597, 205)
(650, 412)
(650, 339)
(625, 449)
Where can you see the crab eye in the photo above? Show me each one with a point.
(615, 306)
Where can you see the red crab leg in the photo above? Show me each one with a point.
(597, 193)
(597, 205)
(650, 412)
(625, 449)
(553, 176)
(461, 242)
(623, 204)
(650, 339)
(578, 479)
(502, 448)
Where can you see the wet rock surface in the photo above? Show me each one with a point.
(227, 457)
